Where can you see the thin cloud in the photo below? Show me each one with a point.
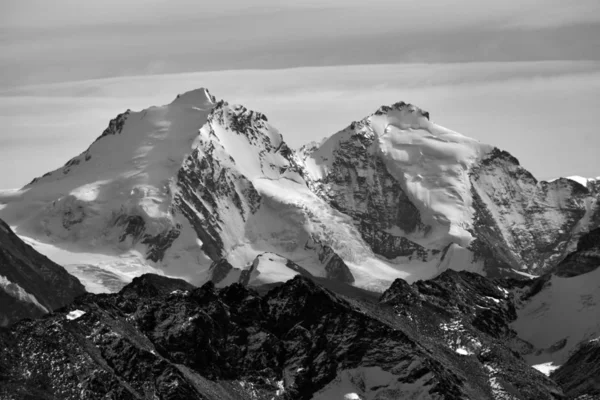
(378, 14)
(554, 108)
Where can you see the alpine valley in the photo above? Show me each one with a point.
(396, 259)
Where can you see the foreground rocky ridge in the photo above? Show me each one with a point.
(580, 375)
(163, 338)
(30, 284)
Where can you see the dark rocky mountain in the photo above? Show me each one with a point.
(580, 375)
(30, 284)
(585, 259)
(558, 311)
(162, 338)
(520, 221)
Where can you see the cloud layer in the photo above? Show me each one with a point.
(542, 112)
(74, 39)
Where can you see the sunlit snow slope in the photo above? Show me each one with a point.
(178, 188)
(430, 163)
(404, 177)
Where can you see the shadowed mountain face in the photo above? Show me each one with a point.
(163, 338)
(580, 375)
(585, 259)
(30, 284)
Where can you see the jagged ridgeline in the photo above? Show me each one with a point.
(199, 184)
(164, 338)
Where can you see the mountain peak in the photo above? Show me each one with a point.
(183, 185)
(199, 98)
(399, 105)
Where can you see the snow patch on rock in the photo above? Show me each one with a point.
(546, 368)
(73, 315)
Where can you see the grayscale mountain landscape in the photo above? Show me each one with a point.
(342, 243)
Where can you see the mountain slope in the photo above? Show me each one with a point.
(30, 284)
(408, 180)
(189, 184)
(177, 188)
(584, 259)
(580, 375)
(524, 223)
(162, 338)
(418, 167)
(558, 311)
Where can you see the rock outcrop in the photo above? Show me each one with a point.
(162, 338)
(585, 259)
(30, 284)
(580, 375)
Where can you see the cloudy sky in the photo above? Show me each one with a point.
(521, 74)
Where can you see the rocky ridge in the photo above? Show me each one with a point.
(30, 284)
(163, 338)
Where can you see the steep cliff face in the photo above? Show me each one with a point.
(580, 375)
(30, 284)
(557, 312)
(162, 338)
(525, 223)
(115, 201)
(417, 187)
(178, 187)
(359, 171)
(583, 260)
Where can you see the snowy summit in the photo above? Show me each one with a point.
(205, 190)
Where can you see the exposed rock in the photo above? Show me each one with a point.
(150, 285)
(197, 181)
(30, 284)
(335, 267)
(358, 184)
(219, 270)
(585, 259)
(266, 269)
(472, 315)
(160, 338)
(580, 375)
(522, 223)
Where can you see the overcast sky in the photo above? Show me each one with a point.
(486, 69)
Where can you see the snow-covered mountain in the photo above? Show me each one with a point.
(404, 177)
(210, 192)
(202, 189)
